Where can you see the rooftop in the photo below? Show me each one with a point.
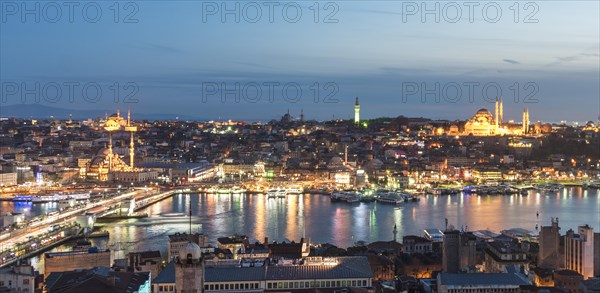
(480, 279)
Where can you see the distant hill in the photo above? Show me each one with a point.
(37, 111)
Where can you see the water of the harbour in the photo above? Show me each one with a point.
(342, 224)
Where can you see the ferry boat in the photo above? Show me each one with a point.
(276, 193)
(348, 196)
(550, 187)
(294, 189)
(388, 196)
(22, 198)
(410, 197)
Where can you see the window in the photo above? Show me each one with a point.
(353, 283)
(206, 287)
(237, 286)
(226, 286)
(328, 284)
(160, 288)
(306, 284)
(212, 287)
(25, 281)
(322, 283)
(296, 285)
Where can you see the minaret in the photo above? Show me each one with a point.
(497, 114)
(301, 115)
(110, 153)
(501, 112)
(525, 121)
(356, 112)
(345, 155)
(131, 145)
(131, 130)
(395, 232)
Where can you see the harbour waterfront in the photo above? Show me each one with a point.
(318, 219)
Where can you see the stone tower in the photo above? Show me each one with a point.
(189, 269)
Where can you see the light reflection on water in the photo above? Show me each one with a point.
(338, 223)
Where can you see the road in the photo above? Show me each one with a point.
(8, 240)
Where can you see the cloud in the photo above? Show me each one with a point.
(565, 59)
(511, 61)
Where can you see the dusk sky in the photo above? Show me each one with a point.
(375, 51)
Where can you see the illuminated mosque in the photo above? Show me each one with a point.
(484, 123)
(108, 165)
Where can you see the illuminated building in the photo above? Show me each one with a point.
(108, 165)
(582, 251)
(525, 121)
(484, 123)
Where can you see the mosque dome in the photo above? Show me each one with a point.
(190, 251)
(374, 164)
(336, 161)
(483, 111)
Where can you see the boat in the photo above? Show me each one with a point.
(348, 196)
(22, 198)
(550, 187)
(388, 196)
(276, 193)
(410, 197)
(294, 190)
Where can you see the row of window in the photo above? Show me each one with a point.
(25, 282)
(465, 290)
(166, 288)
(316, 284)
(236, 286)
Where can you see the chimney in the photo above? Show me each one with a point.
(266, 243)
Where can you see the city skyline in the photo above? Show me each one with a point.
(548, 52)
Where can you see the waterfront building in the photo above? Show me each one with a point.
(549, 241)
(18, 278)
(582, 251)
(98, 279)
(473, 283)
(8, 179)
(75, 260)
